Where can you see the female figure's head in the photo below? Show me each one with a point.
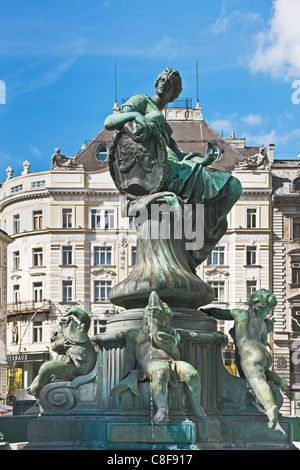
(169, 82)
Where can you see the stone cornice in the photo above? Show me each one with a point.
(26, 195)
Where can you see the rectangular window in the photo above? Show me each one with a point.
(16, 223)
(296, 273)
(102, 255)
(133, 255)
(251, 257)
(37, 331)
(99, 326)
(131, 222)
(251, 286)
(102, 290)
(219, 290)
(16, 189)
(67, 255)
(16, 260)
(38, 292)
(37, 220)
(95, 218)
(67, 291)
(109, 219)
(37, 256)
(296, 228)
(295, 368)
(38, 184)
(16, 293)
(67, 218)
(296, 319)
(252, 218)
(217, 256)
(102, 219)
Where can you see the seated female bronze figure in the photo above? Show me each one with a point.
(186, 175)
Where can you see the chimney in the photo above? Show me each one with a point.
(270, 153)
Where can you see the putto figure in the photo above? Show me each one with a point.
(250, 334)
(69, 339)
(152, 353)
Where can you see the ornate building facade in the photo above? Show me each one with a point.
(5, 240)
(286, 278)
(70, 245)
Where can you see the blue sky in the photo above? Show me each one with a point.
(57, 62)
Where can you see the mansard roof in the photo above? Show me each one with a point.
(190, 136)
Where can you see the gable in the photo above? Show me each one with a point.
(190, 136)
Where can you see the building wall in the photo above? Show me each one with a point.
(286, 247)
(45, 256)
(4, 241)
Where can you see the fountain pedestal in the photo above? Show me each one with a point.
(82, 414)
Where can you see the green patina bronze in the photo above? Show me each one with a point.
(154, 348)
(158, 378)
(146, 162)
(186, 175)
(250, 333)
(69, 339)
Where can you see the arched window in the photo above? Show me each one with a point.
(296, 185)
(102, 152)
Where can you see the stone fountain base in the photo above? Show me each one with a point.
(82, 415)
(108, 431)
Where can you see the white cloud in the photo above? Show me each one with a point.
(278, 48)
(221, 23)
(35, 151)
(252, 119)
(273, 137)
(262, 139)
(165, 46)
(47, 72)
(224, 125)
(231, 19)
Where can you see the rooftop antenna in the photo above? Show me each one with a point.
(198, 107)
(116, 95)
(197, 83)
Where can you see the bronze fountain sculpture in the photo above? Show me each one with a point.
(159, 378)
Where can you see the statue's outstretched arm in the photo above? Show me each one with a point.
(210, 155)
(81, 316)
(219, 313)
(203, 337)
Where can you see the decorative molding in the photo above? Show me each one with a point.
(103, 273)
(217, 273)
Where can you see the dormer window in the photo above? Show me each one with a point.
(102, 152)
(296, 185)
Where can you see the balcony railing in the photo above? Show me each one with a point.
(181, 103)
(26, 306)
